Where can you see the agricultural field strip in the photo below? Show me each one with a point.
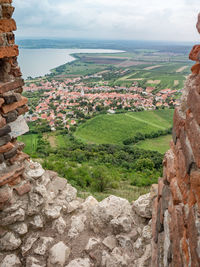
(181, 69)
(150, 123)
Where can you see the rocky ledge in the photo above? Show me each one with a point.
(48, 225)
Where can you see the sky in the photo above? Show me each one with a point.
(171, 20)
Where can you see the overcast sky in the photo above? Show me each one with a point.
(172, 20)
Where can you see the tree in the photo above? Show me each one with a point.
(102, 179)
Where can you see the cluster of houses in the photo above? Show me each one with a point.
(63, 101)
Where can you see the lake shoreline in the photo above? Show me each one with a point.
(39, 62)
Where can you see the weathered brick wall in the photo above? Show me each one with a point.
(12, 106)
(176, 213)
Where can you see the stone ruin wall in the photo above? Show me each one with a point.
(176, 211)
(12, 106)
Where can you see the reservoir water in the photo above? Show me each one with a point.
(38, 62)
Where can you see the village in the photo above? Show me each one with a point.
(65, 103)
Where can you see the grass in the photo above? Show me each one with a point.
(30, 141)
(160, 144)
(114, 129)
(125, 190)
(166, 73)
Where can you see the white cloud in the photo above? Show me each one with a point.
(121, 19)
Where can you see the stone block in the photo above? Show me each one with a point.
(2, 158)
(196, 68)
(195, 53)
(198, 23)
(7, 25)
(13, 106)
(166, 195)
(5, 194)
(6, 147)
(11, 116)
(16, 72)
(7, 11)
(11, 153)
(11, 97)
(195, 185)
(5, 130)
(169, 164)
(192, 235)
(22, 110)
(23, 188)
(19, 157)
(1, 101)
(5, 1)
(176, 228)
(5, 139)
(2, 121)
(193, 133)
(178, 122)
(176, 193)
(10, 38)
(8, 86)
(193, 103)
(187, 150)
(11, 175)
(11, 51)
(16, 181)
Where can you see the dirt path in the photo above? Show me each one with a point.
(150, 123)
(51, 139)
(181, 69)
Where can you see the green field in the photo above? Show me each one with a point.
(160, 144)
(114, 129)
(30, 141)
(168, 74)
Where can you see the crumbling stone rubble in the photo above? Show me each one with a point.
(48, 225)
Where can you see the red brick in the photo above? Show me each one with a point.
(160, 187)
(169, 164)
(181, 170)
(185, 249)
(6, 147)
(195, 53)
(198, 23)
(10, 51)
(15, 105)
(176, 226)
(193, 103)
(1, 101)
(16, 181)
(176, 193)
(5, 194)
(195, 185)
(5, 1)
(5, 87)
(11, 176)
(191, 198)
(192, 235)
(187, 150)
(22, 110)
(16, 72)
(7, 11)
(196, 68)
(7, 25)
(20, 157)
(23, 189)
(179, 122)
(2, 122)
(193, 132)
